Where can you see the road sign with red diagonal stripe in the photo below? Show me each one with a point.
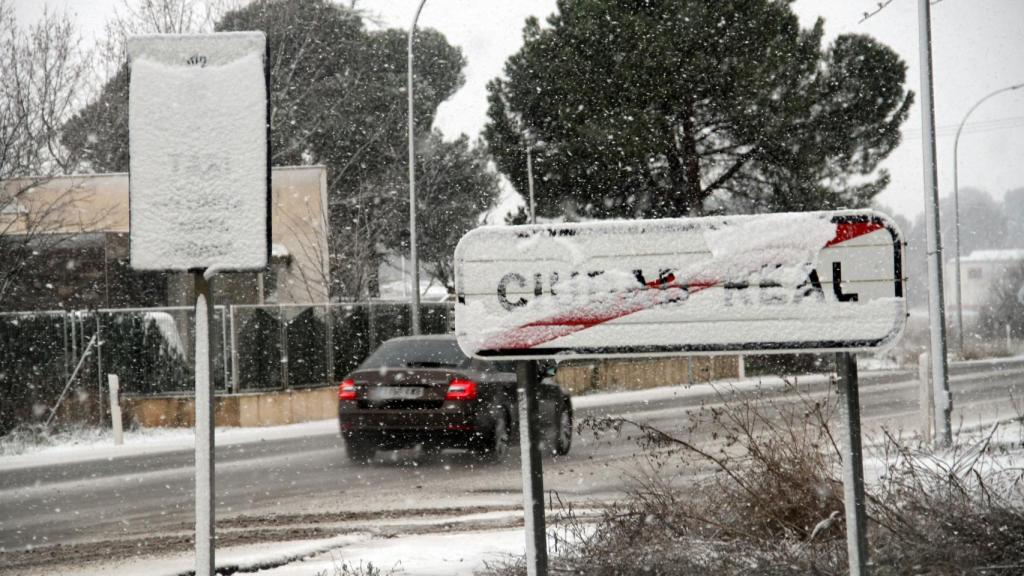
(815, 281)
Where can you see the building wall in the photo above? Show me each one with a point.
(97, 204)
(583, 376)
(980, 271)
(300, 224)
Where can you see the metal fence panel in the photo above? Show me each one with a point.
(258, 347)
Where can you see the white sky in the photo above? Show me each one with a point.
(978, 48)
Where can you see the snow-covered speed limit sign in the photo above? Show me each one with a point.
(816, 281)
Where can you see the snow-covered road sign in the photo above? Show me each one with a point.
(817, 281)
(199, 170)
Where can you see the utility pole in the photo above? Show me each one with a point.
(936, 303)
(414, 262)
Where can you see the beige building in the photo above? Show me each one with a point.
(74, 231)
(980, 271)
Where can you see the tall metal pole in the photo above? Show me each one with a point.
(529, 177)
(853, 465)
(533, 471)
(936, 304)
(414, 303)
(956, 213)
(204, 429)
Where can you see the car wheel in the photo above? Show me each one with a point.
(495, 446)
(561, 436)
(360, 450)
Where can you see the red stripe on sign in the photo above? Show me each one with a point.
(850, 230)
(651, 294)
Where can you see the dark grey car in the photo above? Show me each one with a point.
(424, 390)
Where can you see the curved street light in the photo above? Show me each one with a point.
(414, 304)
(956, 213)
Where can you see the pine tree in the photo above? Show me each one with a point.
(677, 107)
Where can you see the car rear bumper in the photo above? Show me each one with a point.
(451, 425)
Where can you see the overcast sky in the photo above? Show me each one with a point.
(978, 48)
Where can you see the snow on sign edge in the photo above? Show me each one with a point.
(198, 126)
(541, 327)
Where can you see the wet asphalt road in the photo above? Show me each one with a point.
(140, 497)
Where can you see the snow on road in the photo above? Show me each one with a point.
(90, 444)
(447, 551)
(452, 554)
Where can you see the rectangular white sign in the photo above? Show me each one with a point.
(199, 169)
(816, 281)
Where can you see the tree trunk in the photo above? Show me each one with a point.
(677, 204)
(373, 277)
(694, 194)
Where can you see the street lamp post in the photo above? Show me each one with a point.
(956, 214)
(414, 304)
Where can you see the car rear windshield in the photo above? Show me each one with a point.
(417, 354)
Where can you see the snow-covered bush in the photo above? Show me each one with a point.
(767, 500)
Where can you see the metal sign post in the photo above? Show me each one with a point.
(853, 464)
(533, 471)
(204, 430)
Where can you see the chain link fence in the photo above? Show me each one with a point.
(254, 348)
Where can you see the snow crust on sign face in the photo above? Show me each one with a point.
(198, 186)
(774, 253)
(209, 49)
(740, 247)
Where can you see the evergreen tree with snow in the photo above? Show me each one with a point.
(655, 108)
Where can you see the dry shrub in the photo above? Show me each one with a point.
(771, 476)
(742, 492)
(952, 513)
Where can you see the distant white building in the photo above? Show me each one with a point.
(979, 271)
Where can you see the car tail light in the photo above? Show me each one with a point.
(460, 389)
(347, 390)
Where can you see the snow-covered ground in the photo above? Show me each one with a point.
(449, 550)
(452, 554)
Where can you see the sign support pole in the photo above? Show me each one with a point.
(853, 464)
(533, 471)
(204, 429)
